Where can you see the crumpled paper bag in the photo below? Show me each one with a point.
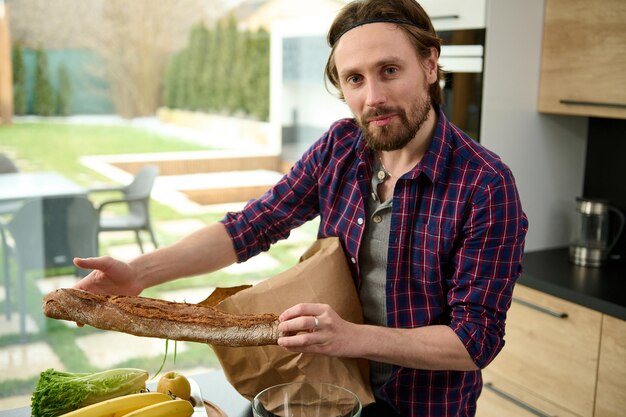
(321, 276)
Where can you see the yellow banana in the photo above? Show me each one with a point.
(119, 406)
(174, 408)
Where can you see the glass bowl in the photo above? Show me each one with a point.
(303, 399)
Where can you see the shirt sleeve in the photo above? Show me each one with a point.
(486, 267)
(271, 217)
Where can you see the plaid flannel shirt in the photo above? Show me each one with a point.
(455, 247)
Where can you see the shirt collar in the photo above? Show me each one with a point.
(434, 161)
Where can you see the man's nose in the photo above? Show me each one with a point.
(376, 95)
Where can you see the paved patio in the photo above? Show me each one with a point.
(27, 360)
(106, 350)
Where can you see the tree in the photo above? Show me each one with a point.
(136, 40)
(210, 78)
(64, 92)
(20, 104)
(173, 84)
(205, 79)
(133, 38)
(221, 66)
(43, 101)
(232, 67)
(258, 80)
(222, 70)
(198, 45)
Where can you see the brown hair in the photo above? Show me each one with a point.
(407, 14)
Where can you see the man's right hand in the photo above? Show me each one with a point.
(109, 277)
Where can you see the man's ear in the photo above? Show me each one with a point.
(431, 67)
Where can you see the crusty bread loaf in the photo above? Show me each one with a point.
(150, 317)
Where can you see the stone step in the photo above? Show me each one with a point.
(182, 163)
(220, 187)
(190, 181)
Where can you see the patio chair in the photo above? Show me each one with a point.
(46, 233)
(7, 166)
(136, 198)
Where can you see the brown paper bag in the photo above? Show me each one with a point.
(322, 276)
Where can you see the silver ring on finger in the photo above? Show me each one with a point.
(316, 324)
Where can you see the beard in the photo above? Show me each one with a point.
(394, 136)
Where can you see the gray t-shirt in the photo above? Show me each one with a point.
(373, 258)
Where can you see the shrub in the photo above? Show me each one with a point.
(20, 104)
(64, 92)
(43, 104)
(223, 70)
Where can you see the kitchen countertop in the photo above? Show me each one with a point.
(214, 387)
(601, 289)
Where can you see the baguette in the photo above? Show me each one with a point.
(150, 317)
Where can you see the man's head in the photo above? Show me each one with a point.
(385, 64)
(419, 30)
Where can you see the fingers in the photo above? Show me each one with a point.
(307, 327)
(303, 317)
(102, 263)
(108, 276)
(317, 328)
(303, 342)
(299, 324)
(304, 309)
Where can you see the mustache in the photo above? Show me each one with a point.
(380, 111)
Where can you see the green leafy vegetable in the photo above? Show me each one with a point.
(61, 392)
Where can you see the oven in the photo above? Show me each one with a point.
(462, 61)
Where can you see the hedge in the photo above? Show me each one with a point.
(221, 70)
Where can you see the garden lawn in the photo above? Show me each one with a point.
(40, 146)
(49, 146)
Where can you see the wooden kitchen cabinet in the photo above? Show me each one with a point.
(501, 397)
(456, 14)
(611, 392)
(583, 65)
(550, 358)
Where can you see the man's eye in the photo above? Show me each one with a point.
(354, 79)
(391, 70)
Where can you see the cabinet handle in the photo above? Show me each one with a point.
(592, 103)
(445, 16)
(516, 401)
(550, 312)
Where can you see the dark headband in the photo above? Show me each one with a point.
(379, 20)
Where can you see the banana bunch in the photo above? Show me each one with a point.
(147, 404)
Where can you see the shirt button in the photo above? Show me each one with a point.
(359, 220)
(377, 219)
(353, 260)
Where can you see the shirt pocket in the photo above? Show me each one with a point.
(432, 248)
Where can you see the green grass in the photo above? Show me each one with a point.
(41, 146)
(58, 147)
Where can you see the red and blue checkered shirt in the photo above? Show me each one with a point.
(455, 247)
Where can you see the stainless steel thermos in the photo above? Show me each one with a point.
(594, 235)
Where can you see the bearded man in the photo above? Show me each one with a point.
(431, 223)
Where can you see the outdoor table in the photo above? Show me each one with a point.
(16, 188)
(214, 386)
(24, 185)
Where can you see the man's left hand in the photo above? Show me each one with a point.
(316, 328)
